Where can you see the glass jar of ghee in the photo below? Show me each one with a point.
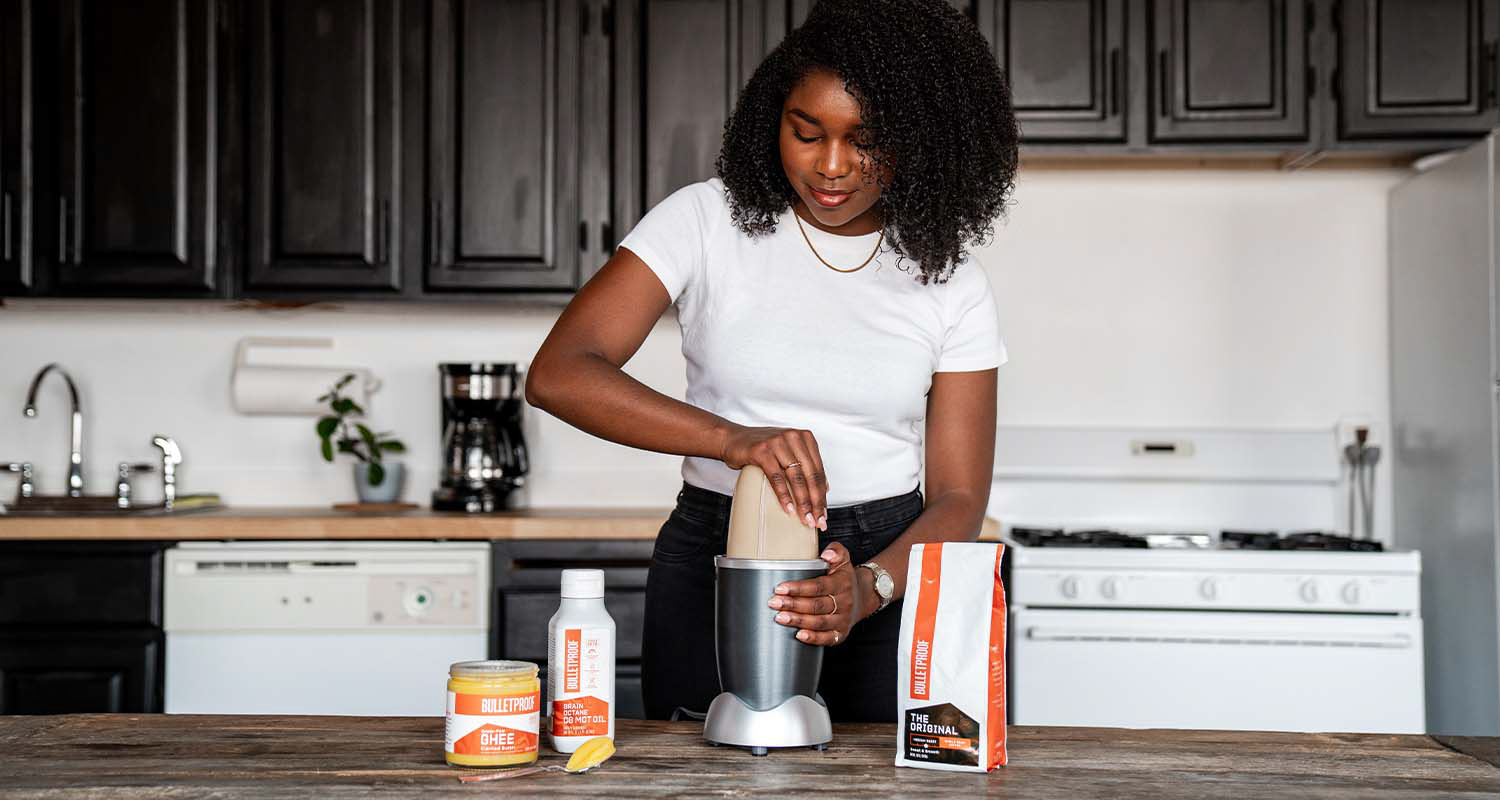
(493, 713)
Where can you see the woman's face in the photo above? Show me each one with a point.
(820, 133)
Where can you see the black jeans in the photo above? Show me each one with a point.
(678, 667)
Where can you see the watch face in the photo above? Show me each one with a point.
(884, 584)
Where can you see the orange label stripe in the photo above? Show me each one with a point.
(926, 620)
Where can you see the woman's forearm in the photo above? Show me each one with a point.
(954, 516)
(592, 394)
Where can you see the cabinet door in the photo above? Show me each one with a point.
(1229, 70)
(679, 66)
(77, 672)
(15, 146)
(797, 10)
(324, 145)
(1413, 68)
(1065, 60)
(503, 144)
(137, 107)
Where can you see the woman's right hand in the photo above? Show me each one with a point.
(793, 467)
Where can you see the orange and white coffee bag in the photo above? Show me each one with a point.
(950, 679)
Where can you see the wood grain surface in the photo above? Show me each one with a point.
(130, 756)
(327, 523)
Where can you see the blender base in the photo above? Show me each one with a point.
(801, 721)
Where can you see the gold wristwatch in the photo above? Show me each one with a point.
(885, 585)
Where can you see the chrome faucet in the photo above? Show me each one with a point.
(75, 438)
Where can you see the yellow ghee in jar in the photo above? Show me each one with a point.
(493, 713)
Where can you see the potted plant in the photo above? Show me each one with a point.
(375, 480)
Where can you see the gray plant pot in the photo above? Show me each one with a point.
(387, 491)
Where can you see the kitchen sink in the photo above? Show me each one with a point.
(102, 505)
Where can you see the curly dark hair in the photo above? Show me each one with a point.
(936, 109)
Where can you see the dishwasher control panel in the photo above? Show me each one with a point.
(423, 600)
(244, 586)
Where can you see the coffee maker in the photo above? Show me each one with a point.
(484, 454)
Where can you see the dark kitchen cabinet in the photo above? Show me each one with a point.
(527, 578)
(16, 138)
(80, 672)
(136, 106)
(678, 68)
(1412, 69)
(504, 142)
(325, 146)
(1066, 61)
(80, 627)
(1229, 70)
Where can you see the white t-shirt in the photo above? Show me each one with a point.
(774, 338)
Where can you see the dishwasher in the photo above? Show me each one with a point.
(357, 628)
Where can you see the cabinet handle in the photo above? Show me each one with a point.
(607, 237)
(1113, 82)
(62, 230)
(583, 236)
(1163, 83)
(382, 232)
(5, 202)
(434, 233)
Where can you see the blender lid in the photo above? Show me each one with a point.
(725, 562)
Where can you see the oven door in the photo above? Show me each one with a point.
(1224, 670)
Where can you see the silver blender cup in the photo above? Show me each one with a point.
(769, 679)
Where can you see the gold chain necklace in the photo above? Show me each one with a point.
(814, 250)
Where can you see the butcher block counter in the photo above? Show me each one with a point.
(327, 523)
(96, 756)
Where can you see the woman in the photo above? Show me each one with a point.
(828, 309)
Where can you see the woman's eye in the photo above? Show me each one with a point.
(802, 138)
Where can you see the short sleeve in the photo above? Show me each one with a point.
(673, 236)
(972, 340)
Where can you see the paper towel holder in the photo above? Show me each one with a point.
(290, 390)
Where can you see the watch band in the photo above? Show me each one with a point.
(880, 572)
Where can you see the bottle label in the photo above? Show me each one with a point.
(492, 724)
(582, 682)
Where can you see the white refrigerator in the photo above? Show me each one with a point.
(1444, 388)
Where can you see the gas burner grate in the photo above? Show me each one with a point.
(1056, 537)
(1301, 540)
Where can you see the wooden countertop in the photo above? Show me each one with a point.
(327, 523)
(95, 756)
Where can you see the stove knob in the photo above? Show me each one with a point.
(1110, 588)
(1308, 591)
(1208, 589)
(1350, 593)
(1070, 588)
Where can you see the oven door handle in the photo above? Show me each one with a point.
(1138, 635)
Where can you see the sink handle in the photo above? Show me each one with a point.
(122, 481)
(171, 457)
(28, 477)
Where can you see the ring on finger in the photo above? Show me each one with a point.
(835, 604)
(793, 464)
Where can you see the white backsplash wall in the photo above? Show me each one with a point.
(1172, 297)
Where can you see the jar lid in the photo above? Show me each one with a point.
(494, 669)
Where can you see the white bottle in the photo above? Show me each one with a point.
(581, 663)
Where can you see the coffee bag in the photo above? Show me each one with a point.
(950, 680)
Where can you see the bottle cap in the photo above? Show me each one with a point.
(582, 583)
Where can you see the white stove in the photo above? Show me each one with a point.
(1151, 626)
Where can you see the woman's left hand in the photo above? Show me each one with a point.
(824, 608)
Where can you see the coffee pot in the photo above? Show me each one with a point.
(484, 453)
